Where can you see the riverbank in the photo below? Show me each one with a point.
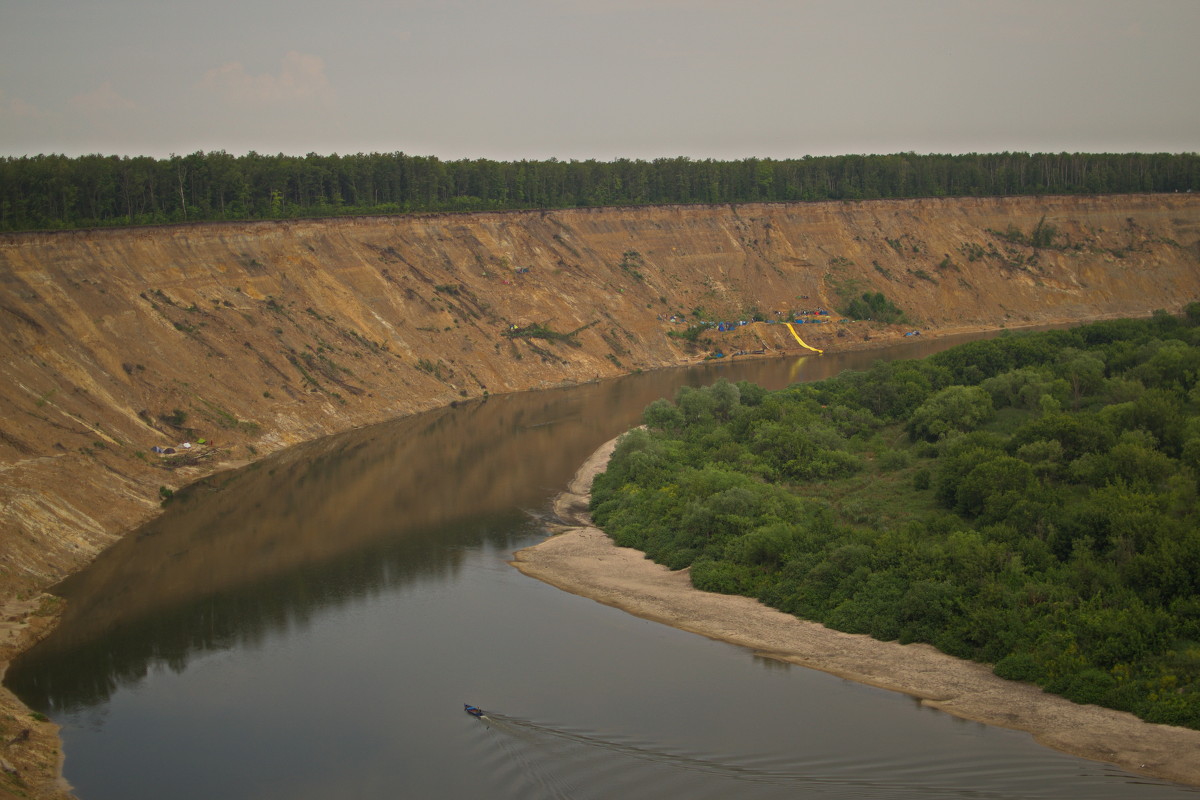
(37, 758)
(27, 615)
(261, 336)
(583, 560)
(31, 758)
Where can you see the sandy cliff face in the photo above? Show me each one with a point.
(255, 336)
(267, 334)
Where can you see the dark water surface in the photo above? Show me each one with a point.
(310, 627)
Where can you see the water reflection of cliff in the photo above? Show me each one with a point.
(243, 553)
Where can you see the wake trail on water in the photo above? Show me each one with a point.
(533, 768)
(540, 747)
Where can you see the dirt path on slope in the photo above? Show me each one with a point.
(583, 560)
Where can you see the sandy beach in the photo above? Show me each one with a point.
(583, 560)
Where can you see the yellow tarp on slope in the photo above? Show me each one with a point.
(792, 328)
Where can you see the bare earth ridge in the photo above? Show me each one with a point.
(582, 559)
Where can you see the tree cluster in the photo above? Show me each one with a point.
(873, 306)
(55, 191)
(1028, 501)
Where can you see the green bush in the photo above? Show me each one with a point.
(873, 306)
(922, 479)
(1018, 667)
(722, 577)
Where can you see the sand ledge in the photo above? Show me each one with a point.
(583, 560)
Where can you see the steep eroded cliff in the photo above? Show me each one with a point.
(255, 336)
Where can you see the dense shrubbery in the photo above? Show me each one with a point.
(873, 306)
(1028, 501)
(54, 191)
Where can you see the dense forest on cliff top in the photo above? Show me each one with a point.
(54, 191)
(1028, 501)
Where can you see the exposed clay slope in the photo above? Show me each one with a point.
(267, 334)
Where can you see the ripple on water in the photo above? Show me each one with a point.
(541, 760)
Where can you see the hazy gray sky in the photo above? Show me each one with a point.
(513, 79)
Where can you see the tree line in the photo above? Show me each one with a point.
(56, 191)
(1028, 501)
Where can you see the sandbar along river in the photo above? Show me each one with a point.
(310, 626)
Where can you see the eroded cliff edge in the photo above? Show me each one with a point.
(255, 336)
(267, 334)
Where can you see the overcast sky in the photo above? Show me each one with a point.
(605, 79)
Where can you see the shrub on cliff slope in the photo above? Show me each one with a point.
(873, 306)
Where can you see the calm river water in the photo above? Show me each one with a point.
(311, 626)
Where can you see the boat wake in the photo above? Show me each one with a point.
(531, 731)
(578, 764)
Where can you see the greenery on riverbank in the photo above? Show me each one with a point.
(542, 331)
(1028, 501)
(56, 191)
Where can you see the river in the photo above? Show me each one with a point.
(311, 625)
